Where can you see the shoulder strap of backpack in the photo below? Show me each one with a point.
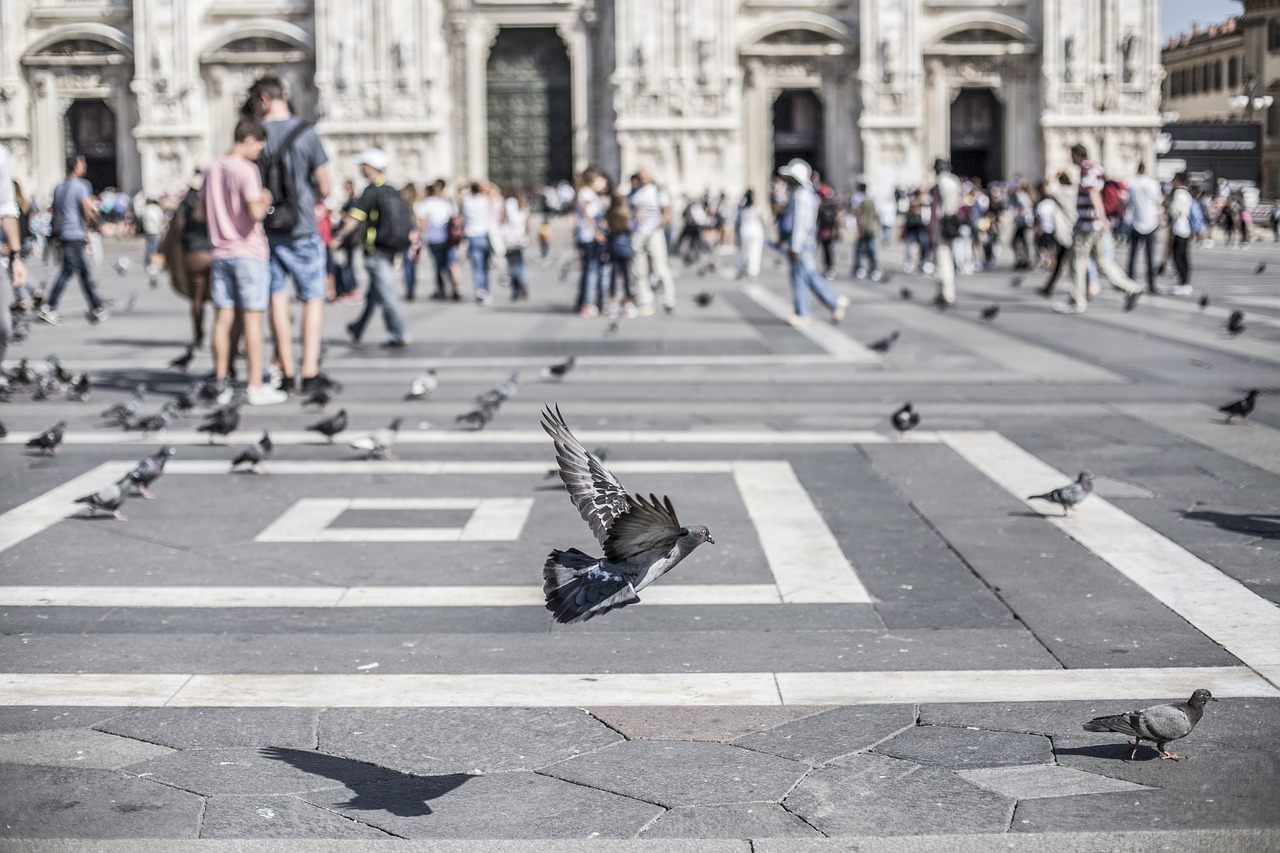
(287, 144)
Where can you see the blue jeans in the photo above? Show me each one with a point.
(73, 263)
(344, 277)
(442, 255)
(920, 237)
(866, 246)
(590, 291)
(382, 291)
(805, 277)
(515, 269)
(409, 265)
(302, 258)
(479, 250)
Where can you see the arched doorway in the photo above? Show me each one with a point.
(798, 119)
(530, 108)
(91, 131)
(977, 135)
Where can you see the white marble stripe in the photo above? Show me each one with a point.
(1220, 607)
(437, 468)
(805, 558)
(303, 521)
(177, 597)
(841, 347)
(189, 437)
(56, 504)
(496, 520)
(312, 520)
(1256, 444)
(334, 690)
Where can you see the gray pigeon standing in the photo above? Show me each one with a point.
(884, 344)
(559, 371)
(642, 538)
(329, 427)
(906, 418)
(1159, 723)
(1070, 494)
(502, 391)
(423, 386)
(255, 455)
(108, 499)
(378, 444)
(148, 470)
(47, 442)
(124, 411)
(1242, 407)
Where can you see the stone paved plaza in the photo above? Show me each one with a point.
(889, 647)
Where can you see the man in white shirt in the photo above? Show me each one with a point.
(1180, 202)
(1144, 206)
(652, 210)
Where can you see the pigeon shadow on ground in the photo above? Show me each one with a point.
(400, 794)
(1034, 514)
(1110, 752)
(1260, 526)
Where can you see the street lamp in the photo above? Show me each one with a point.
(1249, 101)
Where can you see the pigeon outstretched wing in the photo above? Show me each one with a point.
(644, 533)
(597, 494)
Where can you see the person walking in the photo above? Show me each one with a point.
(749, 228)
(478, 217)
(802, 245)
(621, 250)
(1092, 227)
(12, 242)
(379, 260)
(867, 218)
(944, 229)
(1056, 212)
(235, 203)
(296, 248)
(1180, 233)
(515, 237)
(434, 214)
(589, 234)
(73, 219)
(651, 208)
(1145, 199)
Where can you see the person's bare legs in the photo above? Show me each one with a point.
(282, 331)
(253, 347)
(312, 327)
(222, 323)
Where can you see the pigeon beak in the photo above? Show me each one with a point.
(709, 539)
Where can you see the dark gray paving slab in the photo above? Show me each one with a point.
(276, 770)
(758, 820)
(1145, 810)
(75, 748)
(683, 774)
(470, 740)
(718, 724)
(282, 816)
(872, 794)
(501, 805)
(208, 728)
(963, 749)
(28, 718)
(60, 802)
(822, 737)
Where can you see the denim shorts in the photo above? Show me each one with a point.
(239, 283)
(300, 257)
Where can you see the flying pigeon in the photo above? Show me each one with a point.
(329, 427)
(905, 293)
(501, 391)
(479, 418)
(378, 444)
(1070, 494)
(149, 469)
(183, 361)
(1242, 407)
(884, 344)
(641, 538)
(558, 371)
(1016, 281)
(47, 442)
(423, 386)
(222, 421)
(109, 498)
(704, 299)
(600, 453)
(1262, 267)
(1159, 723)
(1235, 323)
(906, 418)
(123, 411)
(255, 455)
(1204, 302)
(990, 312)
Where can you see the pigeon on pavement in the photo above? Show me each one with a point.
(1016, 281)
(1204, 302)
(501, 391)
(704, 299)
(223, 421)
(1242, 407)
(1159, 723)
(47, 442)
(320, 396)
(124, 411)
(479, 418)
(329, 427)
(1261, 268)
(149, 469)
(423, 386)
(255, 455)
(559, 371)
(183, 361)
(154, 422)
(906, 418)
(81, 385)
(884, 344)
(905, 293)
(1235, 323)
(109, 499)
(1069, 495)
(378, 444)
(990, 312)
(642, 538)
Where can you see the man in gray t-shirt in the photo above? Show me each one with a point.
(73, 218)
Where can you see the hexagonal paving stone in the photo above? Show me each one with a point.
(960, 749)
(754, 820)
(499, 805)
(462, 740)
(76, 748)
(679, 773)
(718, 724)
(60, 802)
(28, 718)
(278, 817)
(204, 728)
(1038, 781)
(252, 771)
(822, 737)
(870, 794)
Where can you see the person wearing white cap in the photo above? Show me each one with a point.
(379, 261)
(802, 244)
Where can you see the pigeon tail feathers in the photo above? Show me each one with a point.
(578, 587)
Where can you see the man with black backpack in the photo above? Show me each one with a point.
(295, 169)
(388, 226)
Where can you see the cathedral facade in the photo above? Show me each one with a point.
(711, 94)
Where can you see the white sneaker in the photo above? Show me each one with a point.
(860, 273)
(49, 316)
(264, 396)
(1182, 290)
(1068, 308)
(797, 321)
(875, 275)
(841, 309)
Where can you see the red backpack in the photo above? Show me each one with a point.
(1114, 194)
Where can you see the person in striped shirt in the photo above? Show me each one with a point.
(1092, 227)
